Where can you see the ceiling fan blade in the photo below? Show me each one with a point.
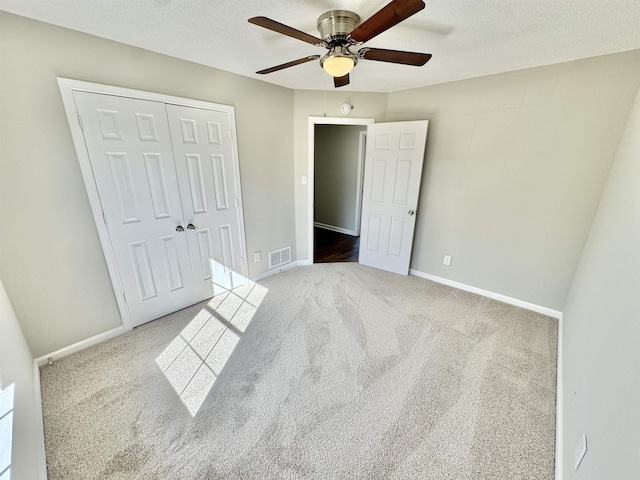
(289, 64)
(390, 15)
(285, 30)
(394, 56)
(341, 81)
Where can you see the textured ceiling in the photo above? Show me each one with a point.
(468, 38)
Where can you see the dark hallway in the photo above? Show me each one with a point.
(332, 246)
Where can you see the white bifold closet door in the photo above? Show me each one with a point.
(203, 153)
(165, 179)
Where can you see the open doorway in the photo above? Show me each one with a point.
(337, 149)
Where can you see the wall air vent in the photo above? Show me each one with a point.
(279, 257)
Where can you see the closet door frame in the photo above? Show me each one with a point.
(67, 87)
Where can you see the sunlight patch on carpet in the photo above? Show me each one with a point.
(194, 359)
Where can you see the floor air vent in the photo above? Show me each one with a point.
(279, 257)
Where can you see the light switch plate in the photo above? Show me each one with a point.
(257, 257)
(447, 260)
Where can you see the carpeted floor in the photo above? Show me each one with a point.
(344, 372)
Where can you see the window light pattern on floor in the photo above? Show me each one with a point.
(6, 430)
(194, 359)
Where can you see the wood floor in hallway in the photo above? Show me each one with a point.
(330, 247)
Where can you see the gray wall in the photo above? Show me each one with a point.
(16, 366)
(515, 167)
(50, 258)
(602, 328)
(337, 148)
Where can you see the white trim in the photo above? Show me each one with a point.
(559, 403)
(486, 293)
(362, 141)
(40, 452)
(231, 111)
(335, 229)
(304, 263)
(275, 271)
(82, 86)
(313, 121)
(81, 345)
(67, 87)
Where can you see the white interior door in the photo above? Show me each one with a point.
(130, 151)
(204, 156)
(392, 174)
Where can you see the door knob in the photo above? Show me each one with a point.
(412, 212)
(191, 226)
(179, 228)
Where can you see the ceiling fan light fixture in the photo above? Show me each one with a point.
(338, 65)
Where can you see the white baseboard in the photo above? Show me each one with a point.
(304, 263)
(486, 293)
(353, 233)
(81, 345)
(559, 404)
(275, 271)
(40, 454)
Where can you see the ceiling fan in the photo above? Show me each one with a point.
(341, 32)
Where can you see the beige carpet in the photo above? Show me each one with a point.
(342, 372)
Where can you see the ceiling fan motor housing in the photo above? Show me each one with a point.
(335, 25)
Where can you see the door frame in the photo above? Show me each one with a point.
(313, 121)
(67, 86)
(362, 143)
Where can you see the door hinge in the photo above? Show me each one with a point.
(104, 218)
(80, 122)
(124, 295)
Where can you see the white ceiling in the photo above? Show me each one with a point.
(468, 38)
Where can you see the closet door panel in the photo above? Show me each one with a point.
(130, 151)
(204, 156)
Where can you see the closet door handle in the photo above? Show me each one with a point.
(191, 226)
(179, 228)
